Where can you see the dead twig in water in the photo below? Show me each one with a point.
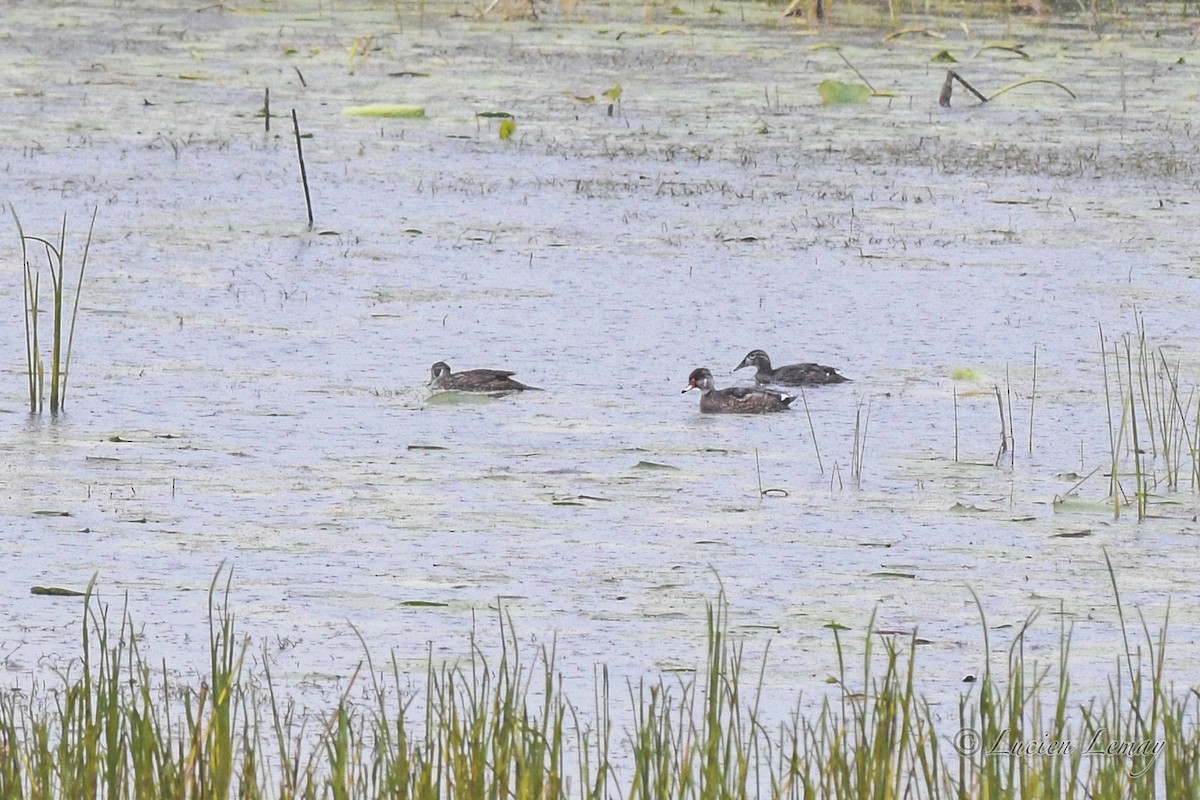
(952, 76)
(948, 89)
(1003, 428)
(812, 430)
(303, 172)
(861, 77)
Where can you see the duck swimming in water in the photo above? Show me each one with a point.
(735, 400)
(474, 380)
(792, 374)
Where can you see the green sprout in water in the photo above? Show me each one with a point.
(60, 356)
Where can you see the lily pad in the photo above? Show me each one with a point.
(390, 110)
(837, 93)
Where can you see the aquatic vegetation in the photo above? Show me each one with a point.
(498, 726)
(60, 340)
(1153, 439)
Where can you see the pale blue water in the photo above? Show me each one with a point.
(266, 382)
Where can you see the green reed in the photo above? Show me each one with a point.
(496, 727)
(1154, 440)
(60, 341)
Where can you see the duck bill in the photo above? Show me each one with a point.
(691, 385)
(744, 363)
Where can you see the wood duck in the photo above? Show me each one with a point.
(792, 374)
(474, 380)
(735, 400)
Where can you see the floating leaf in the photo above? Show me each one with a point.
(390, 110)
(944, 57)
(613, 93)
(423, 604)
(591, 98)
(52, 513)
(891, 575)
(426, 447)
(1015, 49)
(963, 374)
(653, 465)
(494, 115)
(837, 93)
(54, 591)
(507, 128)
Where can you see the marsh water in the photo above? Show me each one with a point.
(248, 392)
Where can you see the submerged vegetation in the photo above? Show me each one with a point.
(499, 727)
(60, 340)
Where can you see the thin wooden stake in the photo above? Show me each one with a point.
(303, 172)
(1033, 397)
(1003, 427)
(956, 424)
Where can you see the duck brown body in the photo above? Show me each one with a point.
(474, 380)
(736, 399)
(790, 375)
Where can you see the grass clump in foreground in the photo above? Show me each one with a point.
(503, 729)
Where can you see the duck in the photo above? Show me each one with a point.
(474, 380)
(736, 399)
(792, 374)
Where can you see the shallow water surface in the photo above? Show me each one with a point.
(248, 392)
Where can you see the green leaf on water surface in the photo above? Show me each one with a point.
(1015, 49)
(1072, 534)
(507, 128)
(837, 93)
(52, 513)
(653, 465)
(891, 575)
(1077, 505)
(54, 591)
(963, 374)
(494, 115)
(589, 99)
(943, 57)
(427, 447)
(613, 93)
(424, 604)
(388, 110)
